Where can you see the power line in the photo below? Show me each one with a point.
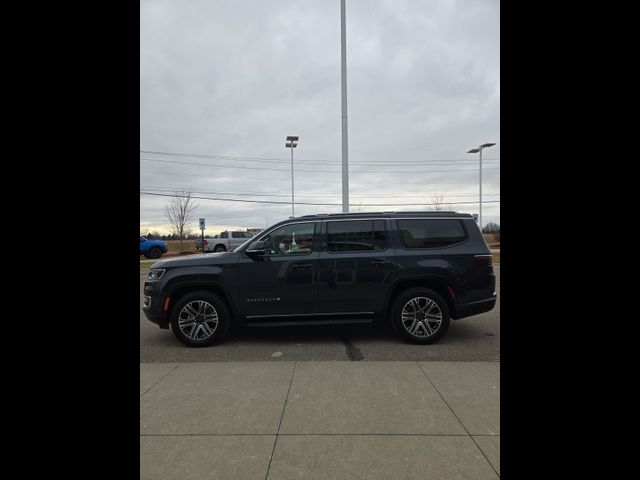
(314, 180)
(276, 202)
(314, 195)
(262, 169)
(445, 161)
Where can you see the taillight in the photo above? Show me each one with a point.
(484, 259)
(206, 243)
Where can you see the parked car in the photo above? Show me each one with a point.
(152, 248)
(224, 242)
(415, 270)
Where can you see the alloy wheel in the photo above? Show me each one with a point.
(421, 317)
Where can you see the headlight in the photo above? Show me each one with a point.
(155, 274)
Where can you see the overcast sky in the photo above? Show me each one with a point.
(230, 79)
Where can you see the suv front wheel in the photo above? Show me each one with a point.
(200, 319)
(420, 315)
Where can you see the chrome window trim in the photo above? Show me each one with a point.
(263, 234)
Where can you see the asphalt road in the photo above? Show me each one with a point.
(470, 339)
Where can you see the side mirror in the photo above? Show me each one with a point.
(256, 248)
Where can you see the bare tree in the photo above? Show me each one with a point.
(437, 202)
(179, 213)
(491, 227)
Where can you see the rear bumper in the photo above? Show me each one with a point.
(474, 308)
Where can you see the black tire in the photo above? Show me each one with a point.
(179, 312)
(425, 297)
(155, 253)
(219, 248)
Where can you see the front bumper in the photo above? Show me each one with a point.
(160, 320)
(152, 306)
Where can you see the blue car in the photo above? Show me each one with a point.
(152, 248)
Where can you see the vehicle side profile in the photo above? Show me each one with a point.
(224, 242)
(416, 270)
(152, 248)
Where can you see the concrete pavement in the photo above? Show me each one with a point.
(320, 420)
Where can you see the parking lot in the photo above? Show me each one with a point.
(470, 339)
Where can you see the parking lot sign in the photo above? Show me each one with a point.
(202, 224)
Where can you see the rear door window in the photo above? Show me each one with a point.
(431, 233)
(357, 235)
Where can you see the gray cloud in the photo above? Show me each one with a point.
(233, 78)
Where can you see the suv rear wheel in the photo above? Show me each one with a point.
(200, 319)
(420, 315)
(219, 248)
(154, 252)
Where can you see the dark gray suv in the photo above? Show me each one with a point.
(417, 270)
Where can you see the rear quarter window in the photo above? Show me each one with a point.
(431, 233)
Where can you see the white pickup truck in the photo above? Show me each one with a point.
(223, 242)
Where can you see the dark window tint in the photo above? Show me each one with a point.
(294, 239)
(356, 235)
(224, 235)
(430, 233)
(237, 234)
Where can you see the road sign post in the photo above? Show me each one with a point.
(202, 227)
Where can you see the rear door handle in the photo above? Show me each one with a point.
(302, 265)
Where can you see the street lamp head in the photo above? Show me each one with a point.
(485, 145)
(474, 150)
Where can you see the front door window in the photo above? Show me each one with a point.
(294, 239)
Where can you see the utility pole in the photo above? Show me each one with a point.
(345, 141)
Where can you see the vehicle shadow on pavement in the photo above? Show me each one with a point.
(475, 339)
(333, 333)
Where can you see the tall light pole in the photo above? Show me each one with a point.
(476, 150)
(345, 143)
(292, 142)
